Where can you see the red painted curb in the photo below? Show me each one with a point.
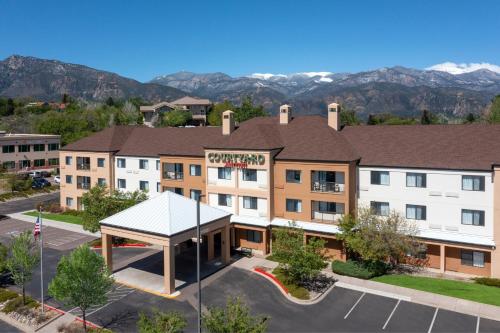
(272, 277)
(88, 322)
(125, 245)
(54, 309)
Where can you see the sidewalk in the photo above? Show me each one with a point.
(54, 224)
(387, 290)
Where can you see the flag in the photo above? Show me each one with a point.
(36, 231)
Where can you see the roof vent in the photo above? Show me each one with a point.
(285, 114)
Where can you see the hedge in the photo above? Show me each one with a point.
(358, 269)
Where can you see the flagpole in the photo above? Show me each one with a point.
(41, 254)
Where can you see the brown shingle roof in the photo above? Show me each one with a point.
(108, 140)
(458, 147)
(188, 100)
(304, 138)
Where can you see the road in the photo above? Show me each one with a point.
(21, 205)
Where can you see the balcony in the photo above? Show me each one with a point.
(325, 217)
(83, 166)
(332, 187)
(82, 163)
(83, 186)
(326, 212)
(327, 181)
(173, 175)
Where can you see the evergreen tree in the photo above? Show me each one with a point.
(371, 120)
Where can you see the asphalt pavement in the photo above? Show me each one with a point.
(21, 205)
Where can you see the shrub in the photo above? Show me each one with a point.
(16, 304)
(492, 282)
(357, 269)
(6, 295)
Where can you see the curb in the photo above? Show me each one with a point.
(373, 291)
(89, 323)
(272, 278)
(95, 247)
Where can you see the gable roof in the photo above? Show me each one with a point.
(166, 214)
(457, 147)
(110, 139)
(188, 100)
(154, 107)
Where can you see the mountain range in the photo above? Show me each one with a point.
(398, 90)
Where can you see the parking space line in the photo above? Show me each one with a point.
(359, 299)
(477, 324)
(433, 319)
(390, 316)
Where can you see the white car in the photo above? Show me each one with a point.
(57, 179)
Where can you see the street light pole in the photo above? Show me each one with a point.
(198, 257)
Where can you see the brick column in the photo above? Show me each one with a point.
(169, 268)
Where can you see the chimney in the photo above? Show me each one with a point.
(334, 116)
(285, 114)
(227, 122)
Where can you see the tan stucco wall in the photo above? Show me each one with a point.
(188, 182)
(32, 155)
(495, 255)
(95, 172)
(303, 191)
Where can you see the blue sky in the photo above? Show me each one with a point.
(142, 39)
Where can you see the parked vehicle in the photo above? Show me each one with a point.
(35, 174)
(57, 179)
(39, 183)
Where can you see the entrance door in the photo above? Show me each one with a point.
(218, 244)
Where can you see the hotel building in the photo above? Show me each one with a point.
(26, 152)
(271, 171)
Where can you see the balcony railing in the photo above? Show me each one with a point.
(83, 186)
(325, 217)
(318, 186)
(173, 175)
(83, 166)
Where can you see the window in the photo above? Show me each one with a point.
(83, 182)
(473, 183)
(415, 212)
(53, 146)
(143, 164)
(121, 163)
(158, 187)
(178, 190)
(225, 200)
(328, 207)
(101, 181)
(9, 165)
(293, 205)
(380, 208)
(39, 163)
(23, 148)
(157, 164)
(293, 176)
(473, 217)
(100, 162)
(195, 194)
(24, 164)
(69, 202)
(82, 163)
(8, 149)
(68, 160)
(249, 175)
(69, 179)
(224, 173)
(53, 161)
(249, 202)
(144, 185)
(122, 183)
(195, 170)
(173, 171)
(254, 236)
(39, 147)
(472, 258)
(380, 177)
(416, 179)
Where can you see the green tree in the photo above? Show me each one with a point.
(214, 118)
(470, 118)
(234, 318)
(372, 120)
(4, 251)
(161, 322)
(99, 203)
(248, 110)
(349, 118)
(82, 280)
(22, 258)
(379, 238)
(428, 118)
(176, 118)
(13, 183)
(110, 101)
(494, 111)
(65, 99)
(299, 261)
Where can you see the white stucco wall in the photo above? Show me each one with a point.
(133, 175)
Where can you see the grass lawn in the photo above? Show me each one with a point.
(295, 290)
(58, 217)
(466, 290)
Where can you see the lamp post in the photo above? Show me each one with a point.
(198, 257)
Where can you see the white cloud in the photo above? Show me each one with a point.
(313, 74)
(453, 68)
(266, 76)
(325, 79)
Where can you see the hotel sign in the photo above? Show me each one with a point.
(240, 161)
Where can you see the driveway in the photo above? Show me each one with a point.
(21, 205)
